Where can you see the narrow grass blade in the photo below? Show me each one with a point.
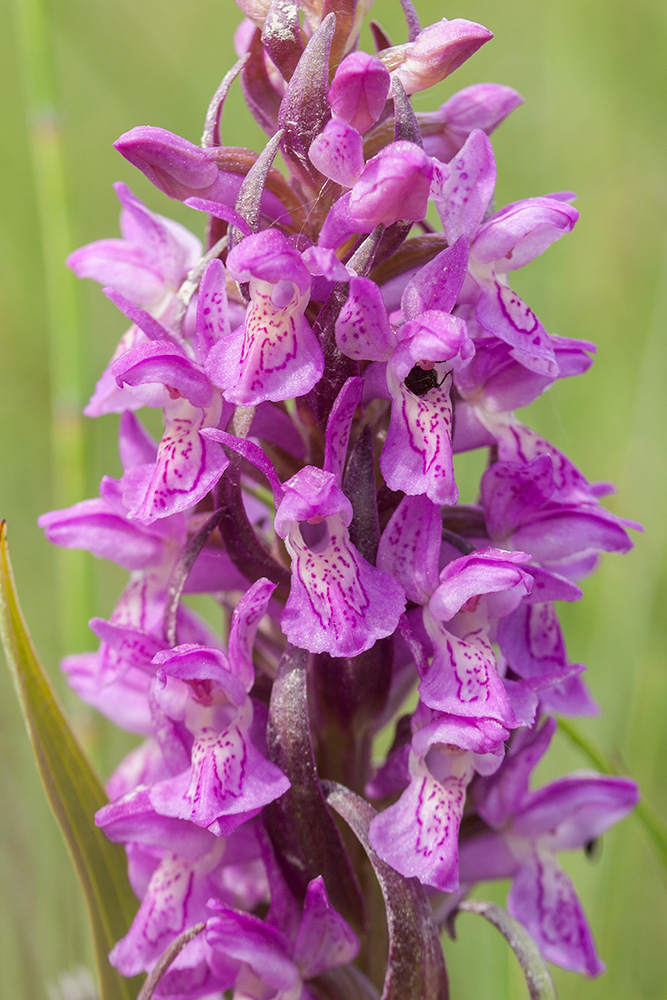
(653, 823)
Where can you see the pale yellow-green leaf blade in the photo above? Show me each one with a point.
(73, 789)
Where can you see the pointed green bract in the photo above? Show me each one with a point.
(73, 789)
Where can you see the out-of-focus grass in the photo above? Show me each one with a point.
(593, 122)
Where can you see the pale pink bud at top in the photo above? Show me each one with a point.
(435, 53)
(359, 90)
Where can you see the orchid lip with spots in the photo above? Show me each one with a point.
(319, 361)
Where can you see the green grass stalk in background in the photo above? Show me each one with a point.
(63, 340)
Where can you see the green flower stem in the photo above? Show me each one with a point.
(653, 824)
(46, 143)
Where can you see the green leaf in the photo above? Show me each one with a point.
(538, 978)
(73, 789)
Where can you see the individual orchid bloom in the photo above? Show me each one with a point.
(394, 185)
(474, 591)
(359, 90)
(182, 170)
(509, 239)
(176, 868)
(523, 511)
(147, 266)
(148, 263)
(338, 603)
(436, 52)
(187, 465)
(461, 604)
(419, 834)
(496, 383)
(274, 355)
(483, 106)
(270, 963)
(527, 829)
(417, 455)
(228, 780)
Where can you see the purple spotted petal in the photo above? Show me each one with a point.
(417, 455)
(246, 617)
(503, 313)
(338, 152)
(174, 900)
(229, 781)
(543, 899)
(324, 940)
(418, 835)
(338, 602)
(532, 641)
(521, 231)
(512, 493)
(438, 283)
(463, 677)
(212, 308)
(187, 466)
(362, 326)
(466, 189)
(410, 547)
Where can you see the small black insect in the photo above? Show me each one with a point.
(420, 380)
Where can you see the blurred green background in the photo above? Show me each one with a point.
(75, 75)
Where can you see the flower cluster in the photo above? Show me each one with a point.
(318, 366)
